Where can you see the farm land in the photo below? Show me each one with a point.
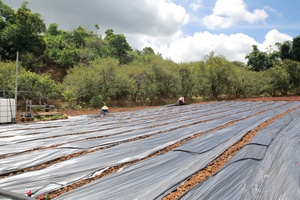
(228, 150)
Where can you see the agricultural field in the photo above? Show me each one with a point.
(217, 150)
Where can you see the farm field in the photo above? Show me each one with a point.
(217, 150)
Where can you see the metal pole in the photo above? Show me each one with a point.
(16, 86)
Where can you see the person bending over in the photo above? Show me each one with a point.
(181, 101)
(104, 111)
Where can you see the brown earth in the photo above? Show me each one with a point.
(119, 109)
(97, 111)
(70, 112)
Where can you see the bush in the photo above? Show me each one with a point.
(97, 101)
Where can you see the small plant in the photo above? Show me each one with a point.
(77, 107)
(64, 116)
(148, 101)
(56, 117)
(97, 101)
(38, 108)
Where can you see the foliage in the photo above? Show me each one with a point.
(186, 80)
(217, 75)
(97, 101)
(31, 62)
(239, 80)
(258, 60)
(296, 49)
(279, 81)
(30, 84)
(20, 32)
(98, 78)
(8, 75)
(119, 46)
(285, 50)
(35, 86)
(293, 69)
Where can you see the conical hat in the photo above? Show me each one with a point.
(105, 108)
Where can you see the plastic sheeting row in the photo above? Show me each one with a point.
(148, 179)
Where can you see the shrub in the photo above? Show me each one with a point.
(97, 101)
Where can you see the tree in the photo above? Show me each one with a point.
(52, 29)
(296, 48)
(8, 75)
(164, 80)
(285, 50)
(238, 82)
(119, 46)
(102, 80)
(147, 51)
(258, 60)
(217, 74)
(187, 80)
(201, 87)
(31, 62)
(21, 33)
(279, 80)
(79, 36)
(293, 69)
(97, 27)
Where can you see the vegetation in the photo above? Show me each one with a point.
(84, 69)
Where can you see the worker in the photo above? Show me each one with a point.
(104, 111)
(181, 101)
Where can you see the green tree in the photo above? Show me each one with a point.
(21, 33)
(97, 28)
(258, 60)
(239, 84)
(37, 86)
(31, 62)
(99, 78)
(119, 46)
(186, 80)
(259, 82)
(8, 75)
(202, 83)
(293, 69)
(285, 50)
(296, 48)
(63, 49)
(147, 51)
(52, 29)
(279, 81)
(217, 74)
(79, 37)
(97, 101)
(165, 81)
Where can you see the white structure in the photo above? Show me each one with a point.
(7, 110)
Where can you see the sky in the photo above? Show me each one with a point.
(180, 30)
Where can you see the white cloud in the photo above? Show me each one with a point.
(194, 48)
(233, 47)
(150, 17)
(196, 5)
(273, 37)
(228, 13)
(272, 10)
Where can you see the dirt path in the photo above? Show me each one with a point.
(96, 111)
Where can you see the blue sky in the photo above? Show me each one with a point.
(182, 30)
